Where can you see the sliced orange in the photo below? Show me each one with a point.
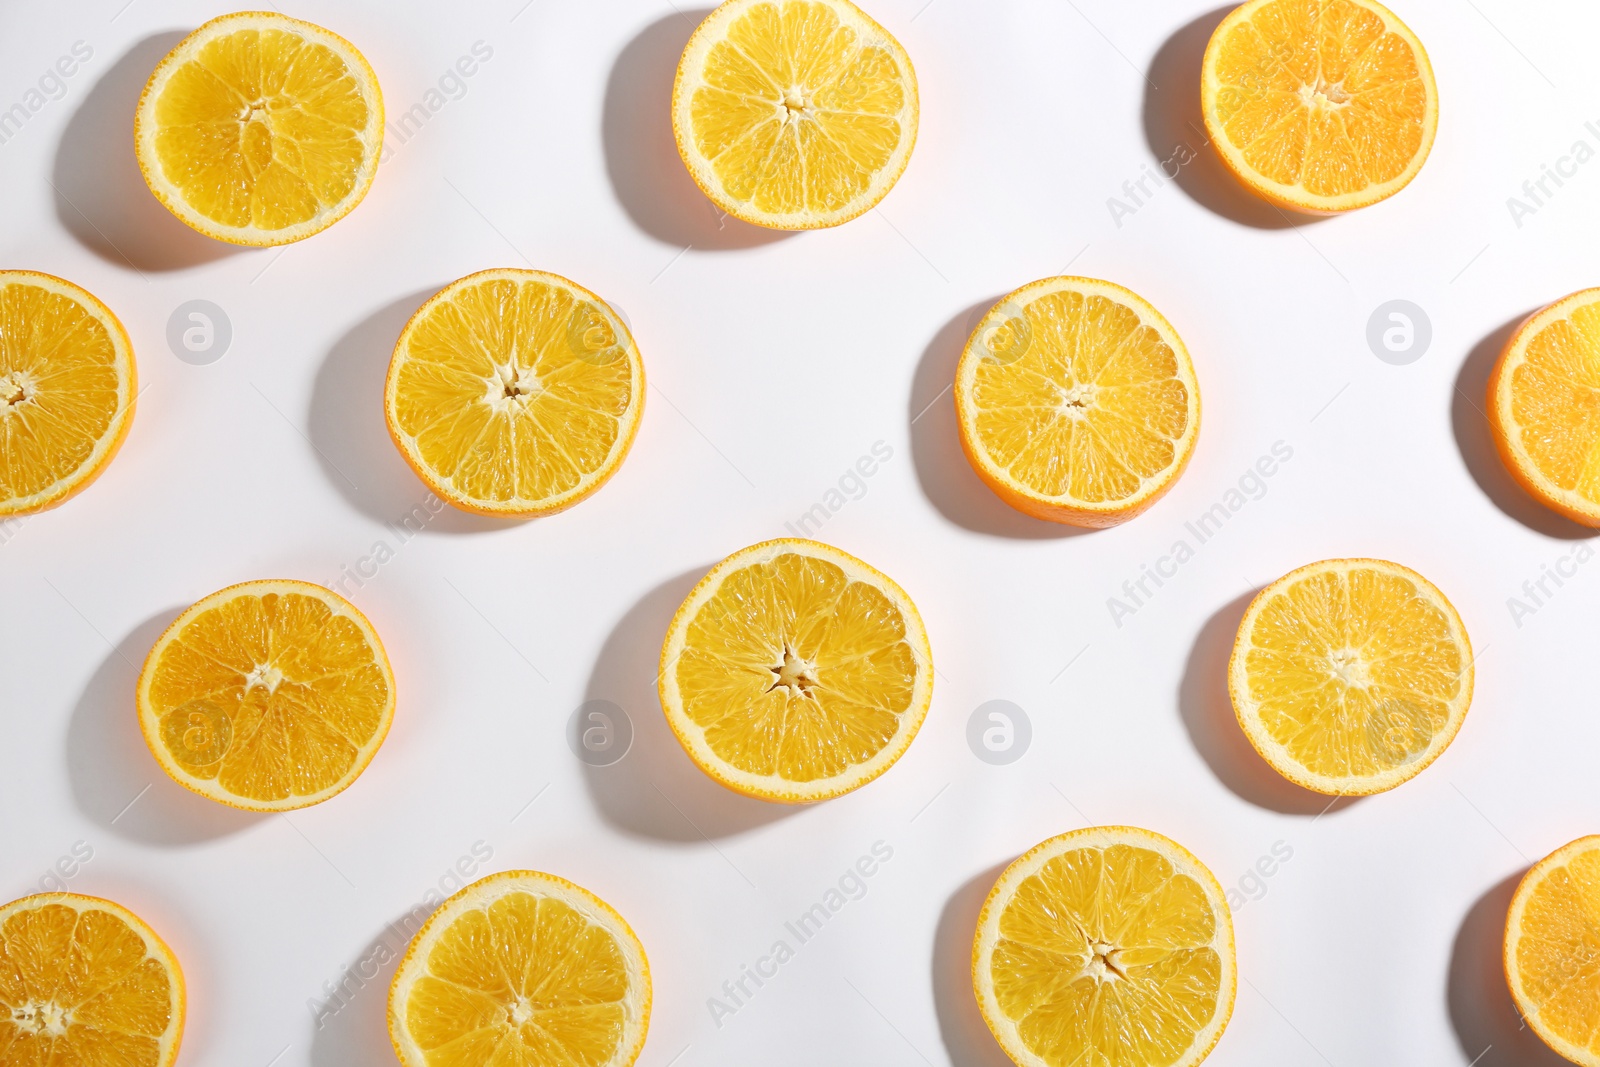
(85, 981)
(515, 393)
(269, 696)
(1107, 946)
(1077, 402)
(795, 672)
(67, 388)
(794, 114)
(1350, 676)
(1552, 945)
(1319, 106)
(1544, 406)
(521, 969)
(260, 129)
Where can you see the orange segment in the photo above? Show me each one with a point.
(794, 114)
(515, 392)
(522, 969)
(67, 388)
(1319, 105)
(270, 696)
(794, 672)
(85, 981)
(1350, 676)
(1551, 948)
(1077, 402)
(1544, 406)
(1106, 946)
(259, 129)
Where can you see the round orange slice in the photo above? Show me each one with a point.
(86, 981)
(1350, 676)
(794, 114)
(514, 393)
(260, 129)
(1110, 945)
(1544, 406)
(268, 696)
(67, 390)
(794, 672)
(1319, 107)
(521, 968)
(1552, 942)
(1077, 402)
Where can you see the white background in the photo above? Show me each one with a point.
(775, 363)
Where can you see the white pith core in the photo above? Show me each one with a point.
(796, 104)
(41, 1017)
(797, 675)
(1103, 965)
(1076, 400)
(512, 385)
(16, 388)
(266, 675)
(1324, 95)
(1347, 666)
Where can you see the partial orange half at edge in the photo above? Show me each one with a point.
(521, 969)
(1077, 402)
(260, 129)
(85, 981)
(1544, 406)
(1351, 676)
(795, 672)
(515, 393)
(1552, 943)
(794, 114)
(268, 696)
(67, 390)
(1319, 107)
(1109, 945)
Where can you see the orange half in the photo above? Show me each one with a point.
(795, 672)
(1544, 406)
(1551, 948)
(67, 390)
(84, 981)
(1107, 946)
(268, 696)
(1319, 106)
(521, 969)
(260, 129)
(1077, 402)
